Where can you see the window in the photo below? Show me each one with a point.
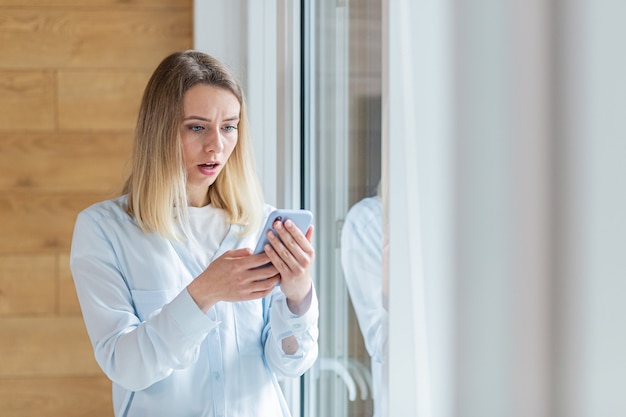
(342, 130)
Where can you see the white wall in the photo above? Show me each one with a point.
(503, 203)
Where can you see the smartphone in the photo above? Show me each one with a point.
(301, 218)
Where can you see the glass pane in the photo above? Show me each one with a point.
(344, 156)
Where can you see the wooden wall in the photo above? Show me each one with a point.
(71, 77)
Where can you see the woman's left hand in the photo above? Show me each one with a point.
(292, 255)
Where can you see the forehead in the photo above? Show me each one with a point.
(203, 98)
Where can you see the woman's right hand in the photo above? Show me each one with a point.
(237, 275)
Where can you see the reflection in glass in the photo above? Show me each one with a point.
(345, 89)
(362, 261)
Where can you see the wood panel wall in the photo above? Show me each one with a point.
(71, 77)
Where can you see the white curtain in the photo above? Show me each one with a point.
(417, 178)
(504, 155)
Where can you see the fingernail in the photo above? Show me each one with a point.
(288, 223)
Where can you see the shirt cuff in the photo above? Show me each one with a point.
(188, 317)
(284, 323)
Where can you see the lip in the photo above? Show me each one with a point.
(209, 168)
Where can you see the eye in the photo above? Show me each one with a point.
(230, 128)
(196, 128)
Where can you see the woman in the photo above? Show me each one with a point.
(183, 319)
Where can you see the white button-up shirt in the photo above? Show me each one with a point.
(164, 356)
(362, 261)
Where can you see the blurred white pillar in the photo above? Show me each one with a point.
(468, 104)
(504, 236)
(592, 233)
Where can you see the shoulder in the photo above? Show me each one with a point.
(267, 210)
(362, 228)
(108, 210)
(366, 211)
(108, 224)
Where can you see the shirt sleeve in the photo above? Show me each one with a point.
(282, 324)
(361, 257)
(133, 353)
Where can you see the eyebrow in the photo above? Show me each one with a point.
(204, 119)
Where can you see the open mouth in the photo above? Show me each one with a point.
(209, 165)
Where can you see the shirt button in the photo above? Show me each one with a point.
(216, 376)
(297, 326)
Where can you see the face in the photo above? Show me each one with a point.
(209, 135)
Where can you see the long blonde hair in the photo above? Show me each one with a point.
(156, 187)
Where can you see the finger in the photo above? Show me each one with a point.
(255, 295)
(237, 253)
(263, 272)
(287, 233)
(293, 240)
(266, 285)
(257, 261)
(301, 240)
(275, 258)
(299, 244)
(253, 289)
(280, 254)
(288, 266)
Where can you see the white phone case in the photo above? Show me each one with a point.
(301, 218)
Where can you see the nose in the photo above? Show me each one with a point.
(214, 141)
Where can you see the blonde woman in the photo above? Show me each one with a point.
(183, 318)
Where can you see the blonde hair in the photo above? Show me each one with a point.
(156, 187)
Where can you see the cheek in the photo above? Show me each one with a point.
(229, 147)
(187, 149)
